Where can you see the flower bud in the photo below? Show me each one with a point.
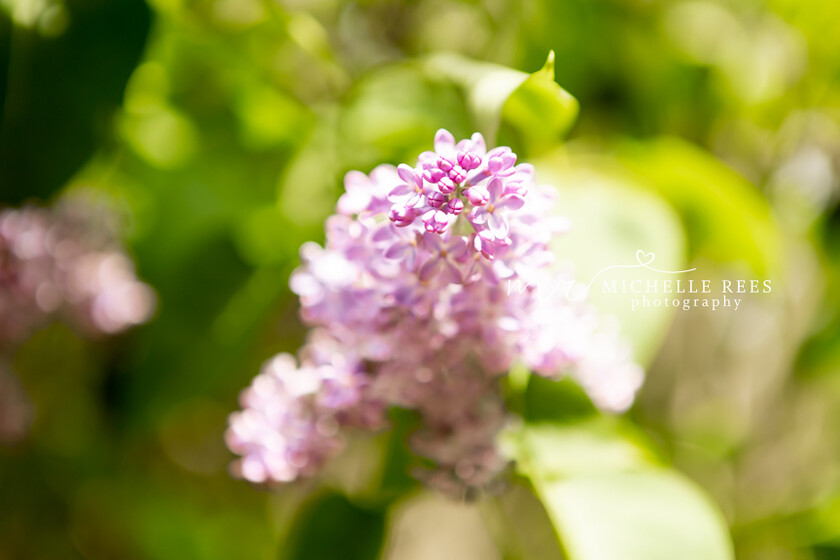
(436, 199)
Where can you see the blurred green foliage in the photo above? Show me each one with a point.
(610, 499)
(709, 131)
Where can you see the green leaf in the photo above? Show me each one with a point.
(651, 515)
(555, 400)
(538, 112)
(608, 497)
(548, 452)
(612, 217)
(726, 217)
(334, 527)
(532, 109)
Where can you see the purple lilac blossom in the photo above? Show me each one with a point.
(411, 304)
(59, 263)
(56, 263)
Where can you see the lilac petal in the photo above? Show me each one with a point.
(478, 216)
(253, 470)
(485, 246)
(396, 251)
(473, 270)
(429, 269)
(477, 195)
(498, 225)
(310, 251)
(400, 191)
(427, 160)
(436, 222)
(353, 202)
(525, 171)
(384, 233)
(305, 285)
(457, 248)
(414, 200)
(402, 216)
(433, 175)
(451, 273)
(478, 144)
(444, 141)
(490, 277)
(432, 243)
(495, 189)
(479, 175)
(502, 270)
(515, 187)
(355, 180)
(383, 173)
(407, 174)
(511, 202)
(499, 159)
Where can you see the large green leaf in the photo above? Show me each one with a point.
(650, 515)
(538, 112)
(548, 452)
(531, 110)
(612, 218)
(726, 217)
(609, 498)
(334, 527)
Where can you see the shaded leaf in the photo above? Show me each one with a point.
(611, 219)
(608, 497)
(533, 109)
(333, 527)
(61, 91)
(601, 444)
(650, 515)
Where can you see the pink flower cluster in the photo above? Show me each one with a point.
(58, 264)
(411, 306)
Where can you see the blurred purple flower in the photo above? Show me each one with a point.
(59, 264)
(55, 263)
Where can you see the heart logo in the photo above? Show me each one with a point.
(643, 258)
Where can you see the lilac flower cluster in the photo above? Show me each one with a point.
(56, 263)
(411, 306)
(59, 263)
